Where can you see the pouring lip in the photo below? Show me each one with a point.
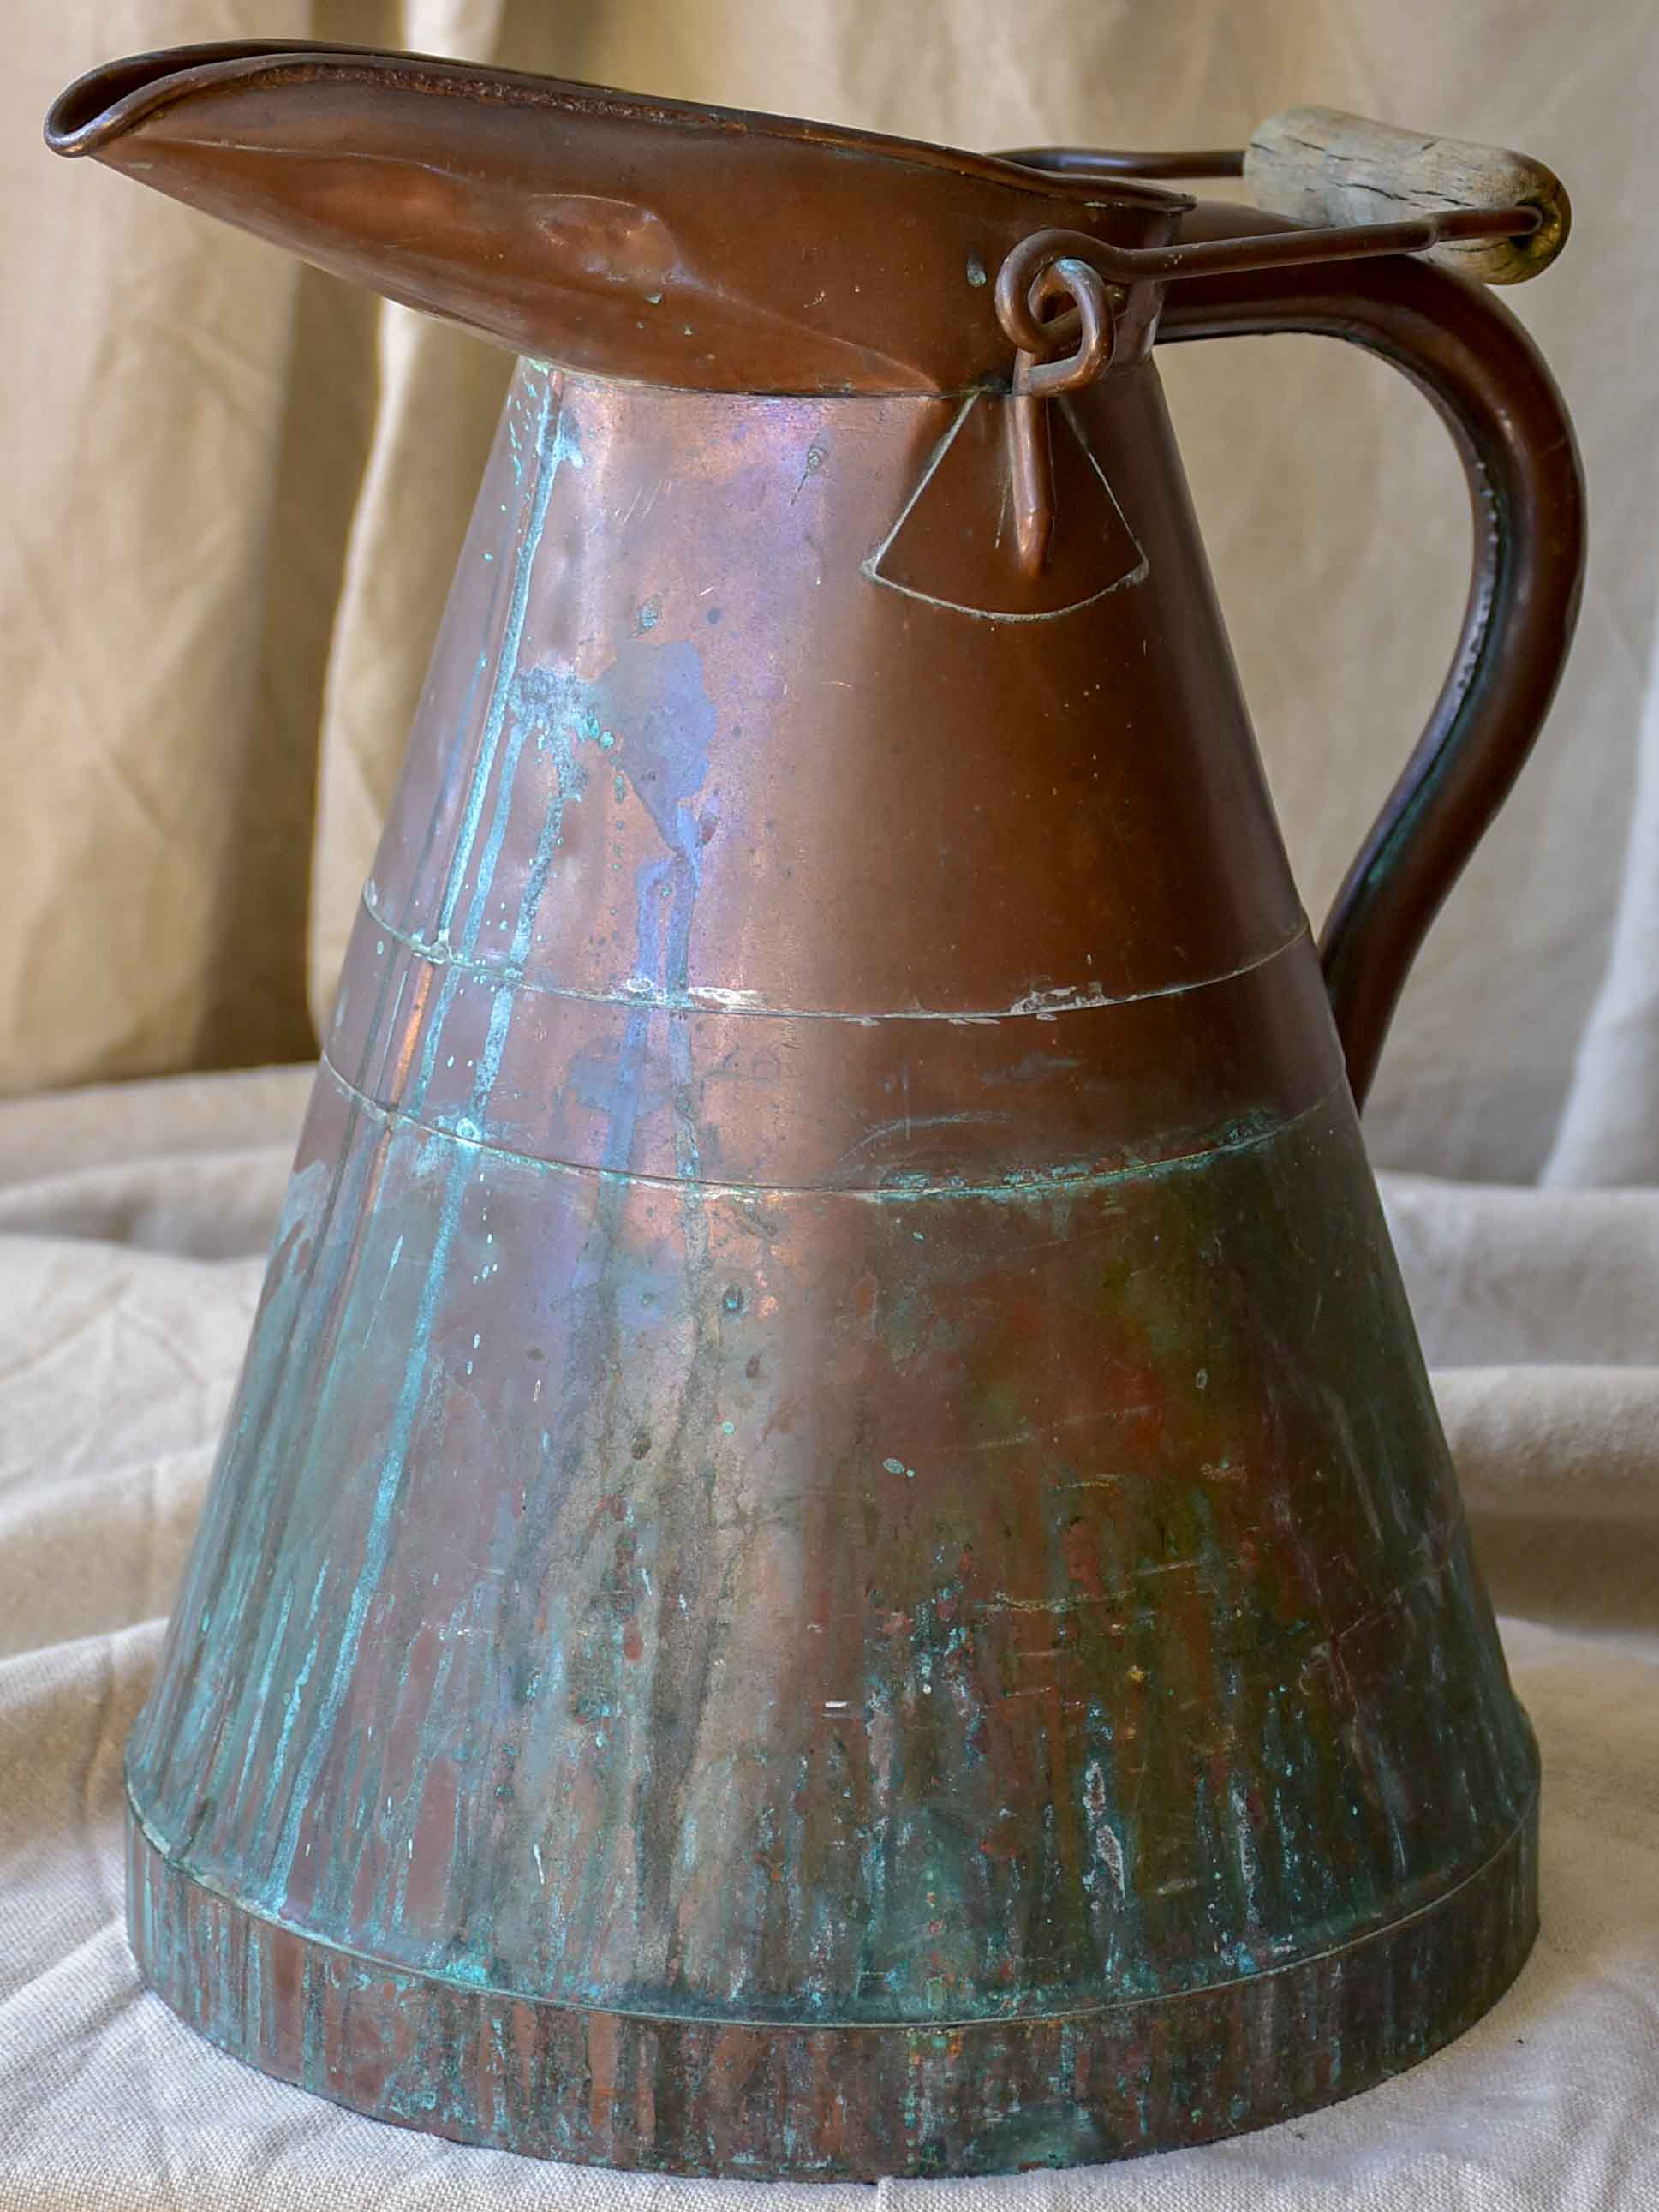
(106, 102)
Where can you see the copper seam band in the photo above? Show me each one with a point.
(1020, 1183)
(156, 1848)
(501, 978)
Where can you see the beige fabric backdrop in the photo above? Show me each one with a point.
(235, 490)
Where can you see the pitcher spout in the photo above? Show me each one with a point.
(655, 239)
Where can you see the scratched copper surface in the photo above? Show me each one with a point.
(828, 1440)
(833, 1555)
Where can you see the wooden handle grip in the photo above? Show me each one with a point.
(1317, 165)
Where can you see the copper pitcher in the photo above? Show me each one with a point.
(834, 1556)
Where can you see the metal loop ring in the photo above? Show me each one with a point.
(1019, 271)
(1036, 275)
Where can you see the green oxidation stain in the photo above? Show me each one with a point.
(1258, 1488)
(1089, 1742)
(1165, 1664)
(1189, 1152)
(913, 1326)
(647, 615)
(1212, 1521)
(292, 1677)
(1051, 2132)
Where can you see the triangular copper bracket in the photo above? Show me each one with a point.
(953, 545)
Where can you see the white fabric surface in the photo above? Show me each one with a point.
(132, 1222)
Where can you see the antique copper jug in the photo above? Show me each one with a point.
(834, 1556)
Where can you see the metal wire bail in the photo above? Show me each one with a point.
(1037, 277)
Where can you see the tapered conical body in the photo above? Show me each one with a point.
(834, 1437)
(834, 1555)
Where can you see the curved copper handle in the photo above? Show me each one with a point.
(1485, 378)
